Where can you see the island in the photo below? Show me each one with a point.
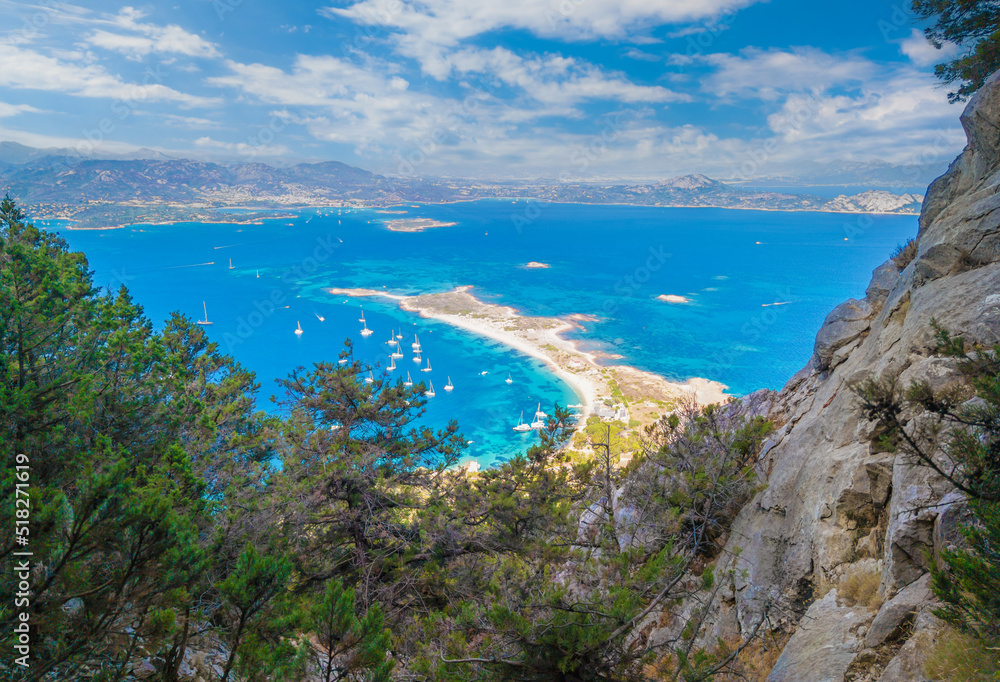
(415, 224)
(647, 395)
(673, 298)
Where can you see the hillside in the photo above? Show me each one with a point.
(837, 506)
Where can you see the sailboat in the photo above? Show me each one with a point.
(396, 354)
(539, 422)
(428, 367)
(205, 321)
(409, 381)
(508, 379)
(417, 359)
(430, 391)
(342, 361)
(366, 331)
(298, 327)
(258, 274)
(392, 340)
(521, 426)
(449, 386)
(416, 344)
(362, 318)
(392, 363)
(399, 335)
(231, 266)
(370, 379)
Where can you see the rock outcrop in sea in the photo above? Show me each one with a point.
(836, 508)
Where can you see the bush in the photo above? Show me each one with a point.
(904, 254)
(860, 588)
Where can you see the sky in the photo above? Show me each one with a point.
(567, 89)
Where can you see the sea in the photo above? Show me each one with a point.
(758, 284)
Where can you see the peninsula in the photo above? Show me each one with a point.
(647, 395)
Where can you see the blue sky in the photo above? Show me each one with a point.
(575, 89)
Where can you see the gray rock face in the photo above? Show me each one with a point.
(824, 646)
(895, 612)
(832, 498)
(844, 324)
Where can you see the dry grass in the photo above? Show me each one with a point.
(904, 254)
(860, 588)
(960, 657)
(755, 662)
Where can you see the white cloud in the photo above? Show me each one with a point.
(9, 110)
(146, 38)
(768, 74)
(448, 22)
(190, 122)
(922, 53)
(242, 148)
(26, 69)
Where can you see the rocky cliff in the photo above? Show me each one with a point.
(836, 513)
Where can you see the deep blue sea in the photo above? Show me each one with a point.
(607, 261)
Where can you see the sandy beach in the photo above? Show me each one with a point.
(649, 395)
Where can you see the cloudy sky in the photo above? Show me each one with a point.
(481, 88)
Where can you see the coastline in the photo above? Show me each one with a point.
(541, 337)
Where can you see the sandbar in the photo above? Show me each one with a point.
(536, 265)
(649, 395)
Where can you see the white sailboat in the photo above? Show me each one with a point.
(417, 359)
(428, 367)
(409, 381)
(416, 344)
(258, 274)
(342, 361)
(231, 266)
(430, 391)
(396, 354)
(370, 379)
(391, 341)
(320, 317)
(298, 328)
(205, 321)
(449, 386)
(392, 363)
(362, 318)
(366, 331)
(538, 412)
(399, 334)
(508, 380)
(521, 426)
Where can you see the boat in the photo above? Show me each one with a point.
(396, 354)
(508, 379)
(409, 381)
(320, 317)
(521, 426)
(392, 340)
(538, 424)
(428, 367)
(231, 266)
(298, 328)
(449, 386)
(366, 331)
(539, 414)
(417, 359)
(484, 373)
(430, 391)
(416, 343)
(399, 335)
(392, 363)
(342, 361)
(258, 274)
(362, 318)
(578, 406)
(205, 321)
(370, 379)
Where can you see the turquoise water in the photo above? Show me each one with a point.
(607, 261)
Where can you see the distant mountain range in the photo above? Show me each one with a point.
(865, 173)
(104, 192)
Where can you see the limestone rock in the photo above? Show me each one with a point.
(980, 121)
(844, 324)
(884, 279)
(895, 612)
(908, 664)
(824, 646)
